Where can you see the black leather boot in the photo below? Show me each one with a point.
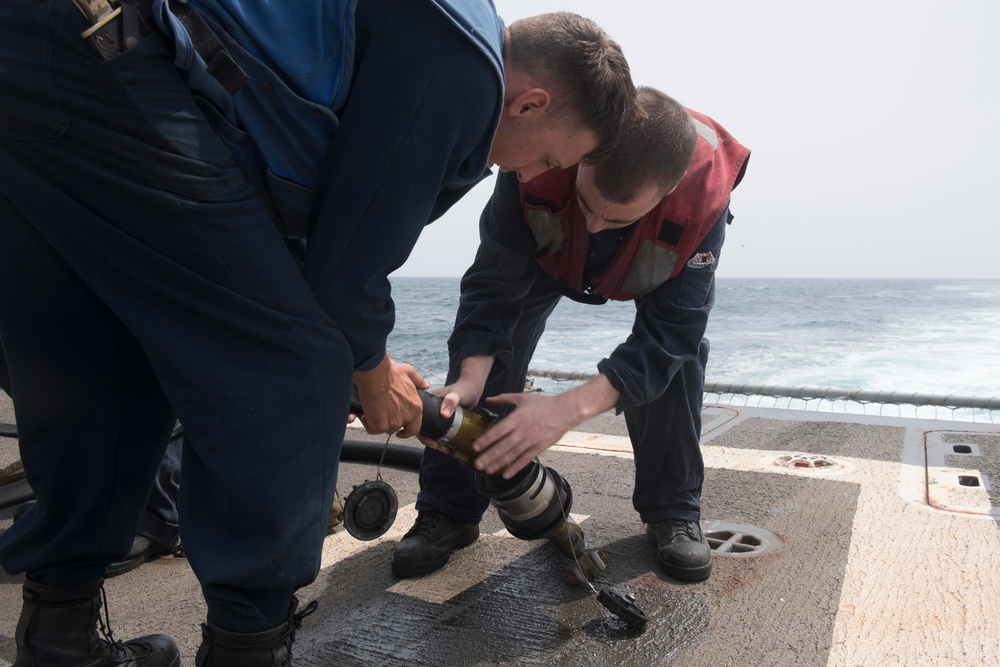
(58, 628)
(271, 648)
(682, 549)
(428, 545)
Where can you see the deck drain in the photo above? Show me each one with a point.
(737, 539)
(808, 462)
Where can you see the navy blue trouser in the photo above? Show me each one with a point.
(159, 520)
(665, 432)
(140, 277)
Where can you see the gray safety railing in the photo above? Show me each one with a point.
(827, 399)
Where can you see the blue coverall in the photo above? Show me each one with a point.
(141, 276)
(660, 370)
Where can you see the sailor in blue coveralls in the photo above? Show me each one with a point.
(147, 179)
(647, 224)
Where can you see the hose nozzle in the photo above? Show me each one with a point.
(533, 504)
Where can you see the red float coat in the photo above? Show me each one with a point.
(657, 246)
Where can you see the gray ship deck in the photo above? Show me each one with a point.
(851, 540)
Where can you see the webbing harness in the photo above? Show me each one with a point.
(119, 25)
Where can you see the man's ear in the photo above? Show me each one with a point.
(534, 101)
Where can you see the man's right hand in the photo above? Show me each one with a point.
(466, 391)
(389, 397)
(460, 393)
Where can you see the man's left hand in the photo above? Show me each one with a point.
(536, 423)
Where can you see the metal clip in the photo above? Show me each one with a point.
(115, 25)
(131, 33)
(97, 12)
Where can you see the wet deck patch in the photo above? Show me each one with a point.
(510, 618)
(517, 611)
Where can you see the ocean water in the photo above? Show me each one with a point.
(914, 336)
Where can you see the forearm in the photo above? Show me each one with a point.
(536, 423)
(586, 401)
(467, 388)
(475, 371)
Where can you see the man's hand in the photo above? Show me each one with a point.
(389, 397)
(463, 392)
(537, 423)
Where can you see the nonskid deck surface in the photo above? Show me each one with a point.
(841, 540)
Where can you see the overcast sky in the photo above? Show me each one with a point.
(874, 126)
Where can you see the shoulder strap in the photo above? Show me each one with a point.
(221, 64)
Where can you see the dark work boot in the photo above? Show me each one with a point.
(143, 550)
(681, 548)
(58, 628)
(271, 648)
(336, 514)
(427, 546)
(12, 473)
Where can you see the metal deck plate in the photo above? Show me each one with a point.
(963, 470)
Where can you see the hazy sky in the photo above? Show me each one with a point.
(874, 126)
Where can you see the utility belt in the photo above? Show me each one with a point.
(119, 25)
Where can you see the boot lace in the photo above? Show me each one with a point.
(427, 524)
(679, 527)
(116, 648)
(306, 611)
(288, 637)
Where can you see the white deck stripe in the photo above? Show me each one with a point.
(920, 584)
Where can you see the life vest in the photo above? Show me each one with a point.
(656, 247)
(281, 122)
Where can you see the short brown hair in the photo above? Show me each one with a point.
(655, 149)
(584, 67)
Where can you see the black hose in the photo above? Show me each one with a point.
(359, 451)
(406, 457)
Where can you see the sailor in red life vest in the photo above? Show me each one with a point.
(646, 224)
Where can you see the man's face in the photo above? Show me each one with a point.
(532, 146)
(602, 213)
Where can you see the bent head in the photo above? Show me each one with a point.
(644, 167)
(603, 213)
(568, 95)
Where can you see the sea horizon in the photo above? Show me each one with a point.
(919, 335)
